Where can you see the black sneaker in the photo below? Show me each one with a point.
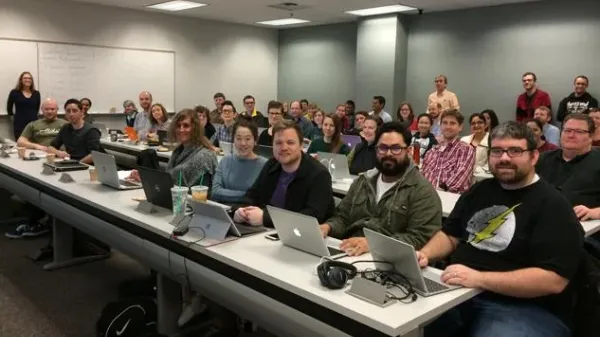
(36, 230)
(17, 233)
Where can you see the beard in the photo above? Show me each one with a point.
(389, 166)
(508, 173)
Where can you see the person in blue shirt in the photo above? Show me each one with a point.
(237, 172)
(551, 132)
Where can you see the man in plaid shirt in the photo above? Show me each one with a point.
(449, 165)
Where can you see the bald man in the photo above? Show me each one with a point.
(142, 124)
(38, 134)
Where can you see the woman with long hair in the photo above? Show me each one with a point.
(479, 140)
(23, 103)
(192, 160)
(332, 137)
(491, 120)
(317, 121)
(406, 116)
(536, 126)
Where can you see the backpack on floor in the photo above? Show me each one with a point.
(128, 317)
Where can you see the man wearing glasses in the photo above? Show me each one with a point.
(515, 238)
(449, 165)
(251, 114)
(575, 168)
(275, 110)
(393, 198)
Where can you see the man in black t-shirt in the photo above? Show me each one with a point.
(516, 238)
(78, 137)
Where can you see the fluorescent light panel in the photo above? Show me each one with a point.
(177, 5)
(381, 10)
(283, 22)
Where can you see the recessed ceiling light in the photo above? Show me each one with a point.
(381, 10)
(282, 22)
(177, 5)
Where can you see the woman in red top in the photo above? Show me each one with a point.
(542, 145)
(595, 114)
(406, 116)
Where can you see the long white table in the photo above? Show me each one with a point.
(272, 285)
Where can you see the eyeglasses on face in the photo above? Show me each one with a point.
(575, 131)
(512, 152)
(395, 149)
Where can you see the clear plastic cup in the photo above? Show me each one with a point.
(21, 152)
(200, 193)
(179, 197)
(93, 174)
(50, 157)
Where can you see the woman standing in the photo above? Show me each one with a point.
(536, 126)
(332, 138)
(25, 101)
(318, 119)
(424, 138)
(406, 116)
(478, 139)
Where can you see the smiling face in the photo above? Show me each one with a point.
(516, 169)
(392, 154)
(275, 116)
(477, 125)
(328, 127)
(595, 115)
(287, 148)
(581, 85)
(219, 100)
(424, 125)
(318, 117)
(85, 106)
(244, 142)
(528, 82)
(145, 100)
(433, 110)
(340, 111)
(227, 114)
(295, 109)
(405, 112)
(49, 109)
(26, 80)
(369, 130)
(542, 115)
(183, 132)
(575, 136)
(537, 132)
(359, 121)
(202, 118)
(157, 113)
(249, 104)
(451, 128)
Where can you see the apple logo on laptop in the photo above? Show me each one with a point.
(297, 232)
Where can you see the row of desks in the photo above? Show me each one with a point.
(261, 280)
(339, 188)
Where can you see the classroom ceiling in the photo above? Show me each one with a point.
(317, 11)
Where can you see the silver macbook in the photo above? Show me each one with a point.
(302, 232)
(404, 258)
(106, 168)
(214, 220)
(337, 164)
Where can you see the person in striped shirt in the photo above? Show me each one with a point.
(449, 165)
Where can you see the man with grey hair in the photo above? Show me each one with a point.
(38, 134)
(516, 238)
(142, 124)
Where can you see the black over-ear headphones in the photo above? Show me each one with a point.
(335, 274)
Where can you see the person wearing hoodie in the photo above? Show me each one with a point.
(579, 101)
(363, 156)
(393, 198)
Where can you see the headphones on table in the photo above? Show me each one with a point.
(335, 274)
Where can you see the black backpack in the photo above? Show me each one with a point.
(128, 317)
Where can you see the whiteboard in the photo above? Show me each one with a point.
(15, 58)
(108, 76)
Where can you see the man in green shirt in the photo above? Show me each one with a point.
(39, 134)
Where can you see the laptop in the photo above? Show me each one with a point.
(337, 164)
(106, 168)
(157, 187)
(351, 140)
(214, 220)
(302, 232)
(264, 151)
(404, 258)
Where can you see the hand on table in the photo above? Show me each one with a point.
(41, 148)
(255, 216)
(355, 246)
(62, 154)
(134, 176)
(583, 213)
(459, 275)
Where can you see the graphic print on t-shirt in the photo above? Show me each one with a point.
(492, 228)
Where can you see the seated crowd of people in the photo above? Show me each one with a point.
(516, 236)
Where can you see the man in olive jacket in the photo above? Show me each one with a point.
(393, 198)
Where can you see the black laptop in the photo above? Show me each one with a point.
(162, 137)
(157, 187)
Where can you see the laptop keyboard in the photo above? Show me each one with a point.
(128, 183)
(433, 286)
(335, 251)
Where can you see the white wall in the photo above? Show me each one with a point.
(209, 56)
